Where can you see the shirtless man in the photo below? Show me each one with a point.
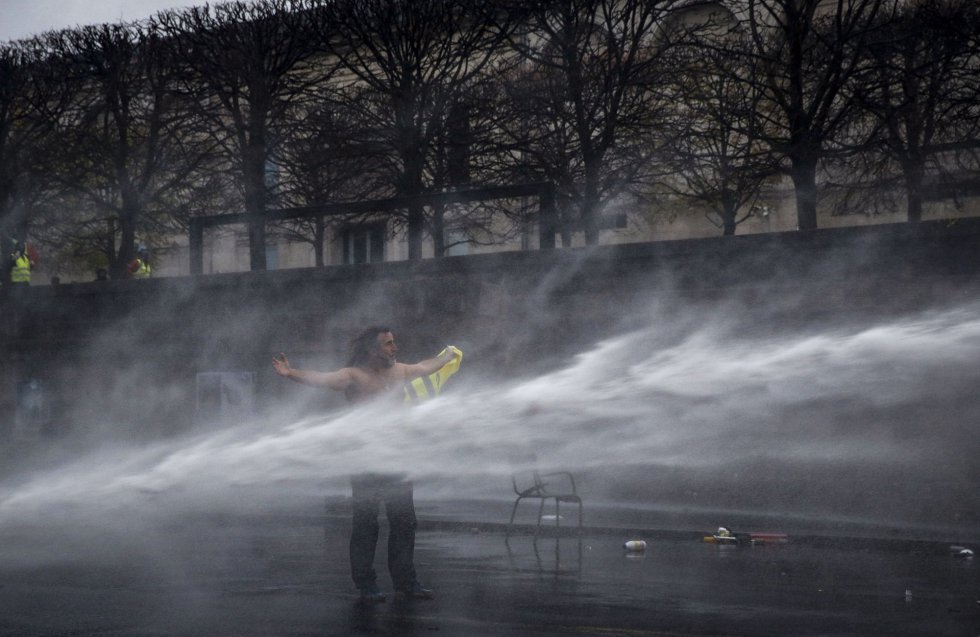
(373, 371)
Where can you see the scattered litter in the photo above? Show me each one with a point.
(721, 539)
(552, 517)
(635, 546)
(722, 536)
(768, 538)
(960, 551)
(908, 594)
(725, 536)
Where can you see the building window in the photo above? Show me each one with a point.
(616, 221)
(273, 176)
(364, 244)
(457, 243)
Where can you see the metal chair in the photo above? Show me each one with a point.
(559, 485)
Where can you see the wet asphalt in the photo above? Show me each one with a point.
(286, 574)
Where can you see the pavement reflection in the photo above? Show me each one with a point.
(287, 575)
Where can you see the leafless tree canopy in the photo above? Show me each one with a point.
(130, 126)
(410, 67)
(115, 134)
(248, 57)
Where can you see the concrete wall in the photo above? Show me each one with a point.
(124, 356)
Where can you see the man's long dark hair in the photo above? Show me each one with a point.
(364, 344)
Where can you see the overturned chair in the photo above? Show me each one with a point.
(533, 485)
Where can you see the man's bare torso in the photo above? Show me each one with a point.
(368, 383)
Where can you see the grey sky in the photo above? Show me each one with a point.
(24, 18)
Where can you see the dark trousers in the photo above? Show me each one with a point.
(368, 491)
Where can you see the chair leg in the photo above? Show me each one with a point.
(557, 513)
(513, 512)
(540, 513)
(580, 517)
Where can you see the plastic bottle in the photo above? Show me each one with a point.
(635, 545)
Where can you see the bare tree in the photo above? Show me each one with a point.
(715, 153)
(466, 152)
(592, 95)
(33, 94)
(921, 91)
(250, 57)
(409, 62)
(537, 142)
(802, 55)
(324, 160)
(127, 160)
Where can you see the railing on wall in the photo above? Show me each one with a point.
(544, 191)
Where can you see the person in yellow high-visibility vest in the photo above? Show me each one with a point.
(142, 270)
(139, 268)
(20, 271)
(429, 386)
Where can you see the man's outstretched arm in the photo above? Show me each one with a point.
(338, 380)
(431, 365)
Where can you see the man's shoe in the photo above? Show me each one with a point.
(372, 595)
(416, 591)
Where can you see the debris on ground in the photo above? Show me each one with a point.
(635, 546)
(724, 536)
(960, 551)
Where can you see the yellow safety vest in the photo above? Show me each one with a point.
(143, 271)
(425, 387)
(21, 272)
